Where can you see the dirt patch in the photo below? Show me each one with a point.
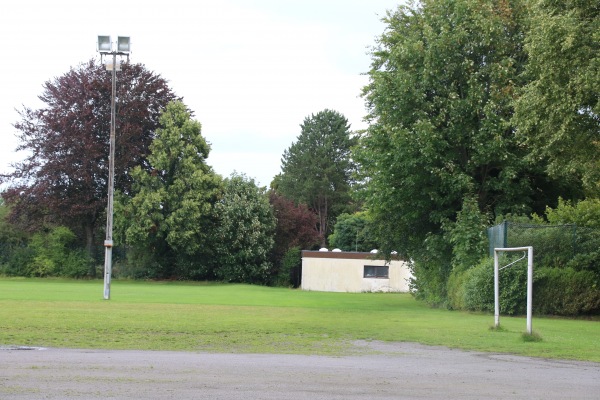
(379, 371)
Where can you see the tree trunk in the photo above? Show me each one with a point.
(322, 211)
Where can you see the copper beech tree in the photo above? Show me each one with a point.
(63, 178)
(296, 227)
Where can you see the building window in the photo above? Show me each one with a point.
(376, 271)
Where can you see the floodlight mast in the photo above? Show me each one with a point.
(123, 49)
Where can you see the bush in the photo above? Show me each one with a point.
(17, 258)
(53, 254)
(456, 290)
(566, 292)
(589, 261)
(290, 266)
(75, 264)
(41, 266)
(431, 268)
(138, 264)
(556, 291)
(479, 287)
(553, 244)
(566, 244)
(585, 213)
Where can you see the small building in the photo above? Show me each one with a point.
(337, 271)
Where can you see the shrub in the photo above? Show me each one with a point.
(138, 264)
(431, 268)
(566, 292)
(585, 213)
(290, 266)
(553, 244)
(41, 266)
(456, 290)
(17, 259)
(53, 254)
(75, 264)
(469, 245)
(586, 261)
(556, 291)
(479, 287)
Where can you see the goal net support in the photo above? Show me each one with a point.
(497, 270)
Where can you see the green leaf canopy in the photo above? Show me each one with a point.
(317, 168)
(171, 212)
(442, 86)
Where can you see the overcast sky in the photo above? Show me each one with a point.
(251, 70)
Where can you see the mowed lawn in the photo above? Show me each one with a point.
(245, 318)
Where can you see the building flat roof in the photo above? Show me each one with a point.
(353, 255)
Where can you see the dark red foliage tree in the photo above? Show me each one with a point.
(296, 227)
(64, 178)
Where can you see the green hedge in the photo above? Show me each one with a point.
(478, 292)
(566, 292)
(556, 291)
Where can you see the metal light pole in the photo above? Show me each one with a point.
(123, 49)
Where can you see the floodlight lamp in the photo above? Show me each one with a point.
(104, 44)
(123, 44)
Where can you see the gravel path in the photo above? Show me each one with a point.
(382, 371)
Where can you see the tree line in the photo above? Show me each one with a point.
(175, 218)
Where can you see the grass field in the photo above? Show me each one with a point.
(243, 318)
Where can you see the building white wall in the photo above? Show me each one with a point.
(332, 272)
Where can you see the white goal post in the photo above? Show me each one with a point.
(529, 250)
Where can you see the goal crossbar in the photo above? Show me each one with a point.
(529, 250)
